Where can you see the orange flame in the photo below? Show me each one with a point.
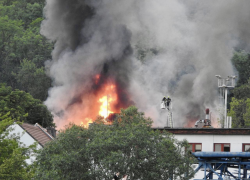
(87, 122)
(104, 102)
(107, 100)
(100, 102)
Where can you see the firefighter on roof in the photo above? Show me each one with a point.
(166, 101)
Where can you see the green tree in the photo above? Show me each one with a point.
(19, 40)
(23, 107)
(246, 115)
(9, 29)
(13, 165)
(240, 112)
(239, 106)
(241, 61)
(129, 146)
(237, 111)
(243, 91)
(33, 80)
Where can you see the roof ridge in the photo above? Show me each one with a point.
(30, 133)
(39, 126)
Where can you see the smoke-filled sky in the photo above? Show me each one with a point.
(148, 48)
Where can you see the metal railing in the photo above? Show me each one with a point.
(227, 179)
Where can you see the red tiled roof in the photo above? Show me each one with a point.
(37, 133)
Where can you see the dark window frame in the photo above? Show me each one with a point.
(193, 146)
(243, 147)
(222, 147)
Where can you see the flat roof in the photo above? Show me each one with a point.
(204, 131)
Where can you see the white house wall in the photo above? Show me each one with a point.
(25, 138)
(208, 141)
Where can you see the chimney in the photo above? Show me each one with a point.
(51, 131)
(207, 113)
(204, 123)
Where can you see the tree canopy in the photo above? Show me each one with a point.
(129, 146)
(240, 101)
(240, 107)
(23, 50)
(21, 106)
(241, 61)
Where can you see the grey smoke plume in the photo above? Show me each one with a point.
(148, 48)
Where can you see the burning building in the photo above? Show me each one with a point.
(111, 54)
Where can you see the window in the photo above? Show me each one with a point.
(221, 147)
(245, 147)
(194, 147)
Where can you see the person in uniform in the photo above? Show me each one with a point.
(168, 100)
(164, 99)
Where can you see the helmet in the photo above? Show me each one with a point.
(168, 96)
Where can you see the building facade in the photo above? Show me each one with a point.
(213, 140)
(217, 143)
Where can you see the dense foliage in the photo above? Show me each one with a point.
(241, 61)
(13, 154)
(240, 102)
(23, 50)
(129, 146)
(23, 107)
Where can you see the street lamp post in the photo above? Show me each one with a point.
(224, 85)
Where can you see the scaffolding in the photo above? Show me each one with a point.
(221, 164)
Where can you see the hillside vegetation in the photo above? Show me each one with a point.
(24, 51)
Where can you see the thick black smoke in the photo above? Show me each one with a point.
(148, 48)
(85, 45)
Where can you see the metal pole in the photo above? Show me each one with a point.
(225, 119)
(239, 172)
(223, 85)
(205, 169)
(223, 94)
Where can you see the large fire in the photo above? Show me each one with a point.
(105, 99)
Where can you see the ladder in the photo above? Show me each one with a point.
(169, 123)
(169, 119)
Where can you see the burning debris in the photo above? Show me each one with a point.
(112, 54)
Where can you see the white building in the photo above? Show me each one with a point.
(208, 139)
(213, 140)
(29, 134)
